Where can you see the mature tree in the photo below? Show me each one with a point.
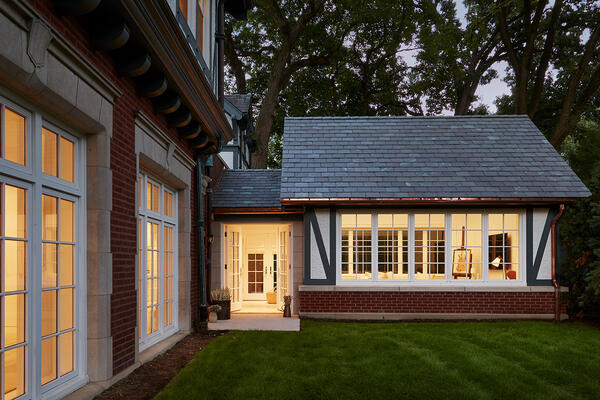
(346, 61)
(558, 42)
(455, 57)
(279, 39)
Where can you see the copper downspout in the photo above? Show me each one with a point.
(561, 211)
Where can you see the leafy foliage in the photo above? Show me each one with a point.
(580, 227)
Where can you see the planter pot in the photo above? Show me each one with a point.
(225, 312)
(212, 317)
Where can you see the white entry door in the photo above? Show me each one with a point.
(233, 266)
(260, 254)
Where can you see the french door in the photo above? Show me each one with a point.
(283, 268)
(233, 266)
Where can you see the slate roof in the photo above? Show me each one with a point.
(243, 188)
(240, 101)
(422, 157)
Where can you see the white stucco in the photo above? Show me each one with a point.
(317, 269)
(539, 220)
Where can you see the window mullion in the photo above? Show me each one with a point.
(411, 247)
(374, 247)
(485, 265)
(448, 246)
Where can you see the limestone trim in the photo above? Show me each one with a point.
(161, 158)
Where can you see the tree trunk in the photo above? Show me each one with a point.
(466, 94)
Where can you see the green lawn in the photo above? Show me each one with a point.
(462, 360)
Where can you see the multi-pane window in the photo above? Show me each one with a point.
(466, 246)
(430, 230)
(392, 245)
(157, 261)
(255, 272)
(503, 246)
(428, 246)
(356, 246)
(58, 290)
(40, 255)
(14, 241)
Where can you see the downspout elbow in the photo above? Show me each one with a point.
(555, 283)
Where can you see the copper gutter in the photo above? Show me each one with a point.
(561, 211)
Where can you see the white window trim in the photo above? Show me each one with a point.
(31, 177)
(483, 282)
(145, 341)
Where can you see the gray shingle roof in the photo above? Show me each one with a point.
(424, 157)
(240, 101)
(241, 188)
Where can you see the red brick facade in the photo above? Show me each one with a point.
(123, 166)
(427, 302)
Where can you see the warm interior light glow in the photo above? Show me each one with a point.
(49, 152)
(15, 136)
(67, 160)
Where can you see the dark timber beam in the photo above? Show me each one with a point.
(151, 85)
(190, 131)
(109, 36)
(179, 118)
(167, 103)
(75, 7)
(133, 64)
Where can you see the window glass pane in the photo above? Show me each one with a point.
(66, 220)
(349, 220)
(421, 220)
(503, 247)
(155, 198)
(15, 212)
(66, 352)
(49, 265)
(14, 319)
(67, 160)
(429, 250)
(49, 152)
(168, 204)
(459, 221)
(474, 221)
(437, 220)
(14, 265)
(48, 360)
(401, 221)
(66, 264)
(363, 220)
(48, 312)
(49, 218)
(385, 220)
(14, 136)
(14, 372)
(66, 309)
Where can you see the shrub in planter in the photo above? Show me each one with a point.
(222, 298)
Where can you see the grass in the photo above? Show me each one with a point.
(466, 360)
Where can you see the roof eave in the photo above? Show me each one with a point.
(504, 201)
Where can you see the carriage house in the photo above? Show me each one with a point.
(398, 218)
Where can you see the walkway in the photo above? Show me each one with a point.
(256, 322)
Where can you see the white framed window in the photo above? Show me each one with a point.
(157, 261)
(42, 242)
(431, 247)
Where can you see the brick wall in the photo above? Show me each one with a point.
(123, 165)
(428, 302)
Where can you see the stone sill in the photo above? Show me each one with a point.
(437, 288)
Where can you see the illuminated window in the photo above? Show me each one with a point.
(39, 252)
(392, 245)
(13, 127)
(466, 246)
(503, 246)
(14, 240)
(157, 262)
(429, 245)
(58, 155)
(356, 246)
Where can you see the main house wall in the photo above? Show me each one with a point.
(323, 295)
(79, 86)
